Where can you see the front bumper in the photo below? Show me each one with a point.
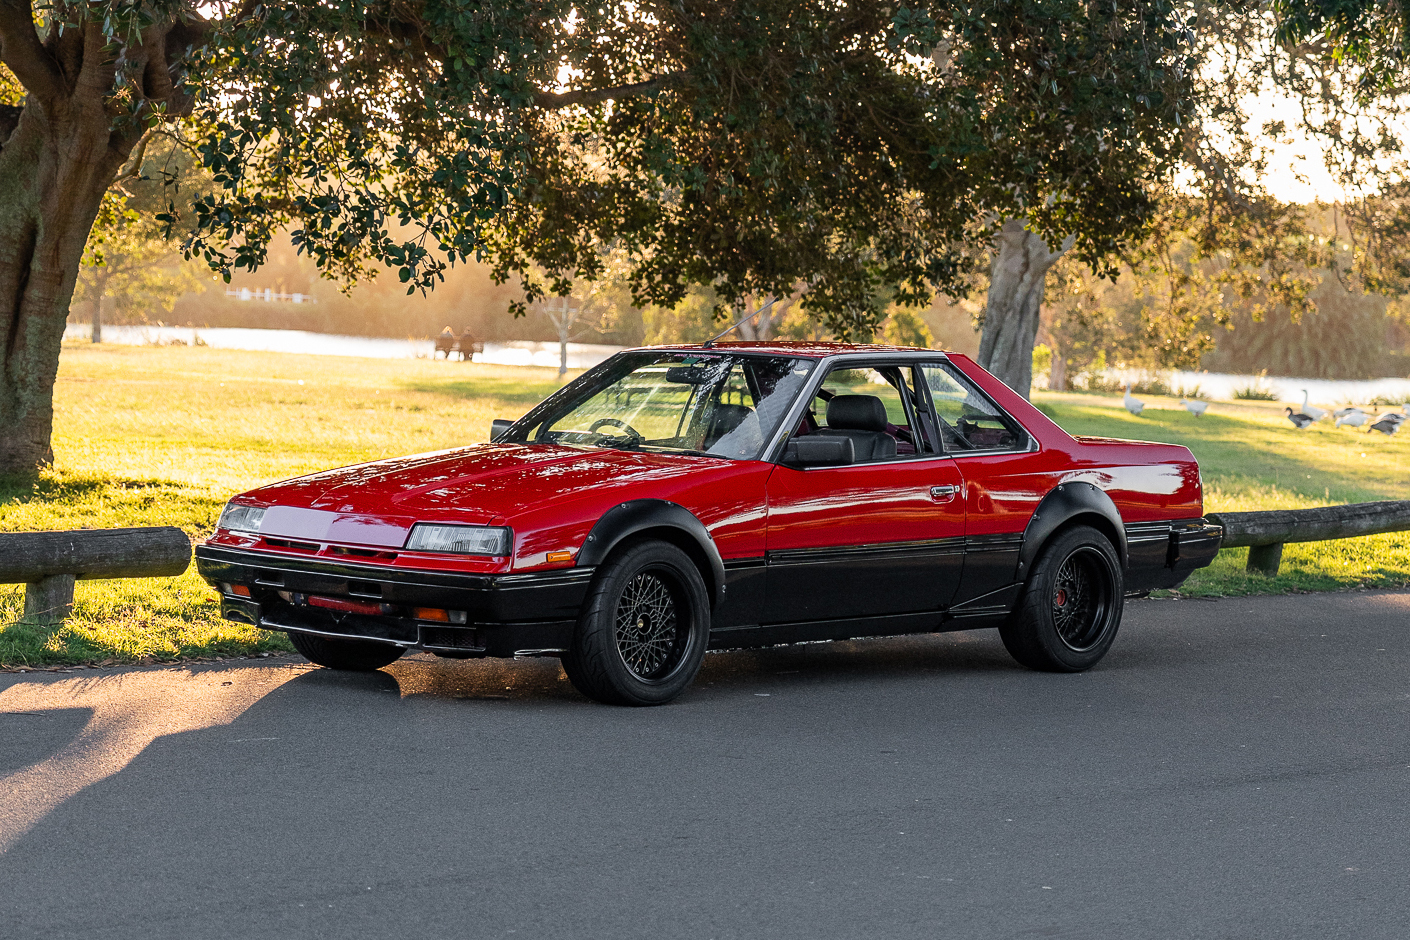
(505, 615)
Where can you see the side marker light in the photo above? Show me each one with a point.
(560, 556)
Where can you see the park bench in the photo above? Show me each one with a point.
(48, 563)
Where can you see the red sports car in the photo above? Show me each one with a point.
(678, 499)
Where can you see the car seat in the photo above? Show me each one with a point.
(863, 419)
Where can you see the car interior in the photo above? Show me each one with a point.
(879, 410)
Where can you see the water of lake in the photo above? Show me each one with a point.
(513, 353)
(1214, 385)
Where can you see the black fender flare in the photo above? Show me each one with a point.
(638, 515)
(1064, 503)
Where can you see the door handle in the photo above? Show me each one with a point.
(943, 493)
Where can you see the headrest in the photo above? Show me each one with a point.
(856, 413)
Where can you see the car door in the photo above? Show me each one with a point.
(880, 537)
(1004, 481)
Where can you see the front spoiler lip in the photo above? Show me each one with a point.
(504, 598)
(510, 613)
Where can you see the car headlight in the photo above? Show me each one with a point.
(240, 518)
(461, 539)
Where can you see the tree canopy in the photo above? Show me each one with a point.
(765, 147)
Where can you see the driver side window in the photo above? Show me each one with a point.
(869, 406)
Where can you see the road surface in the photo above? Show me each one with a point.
(1233, 769)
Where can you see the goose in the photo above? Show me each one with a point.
(1312, 411)
(1354, 417)
(1343, 412)
(1195, 408)
(1299, 420)
(1388, 424)
(1133, 405)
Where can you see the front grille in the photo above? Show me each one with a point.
(451, 638)
(290, 543)
(361, 552)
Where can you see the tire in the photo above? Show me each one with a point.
(348, 655)
(643, 630)
(1071, 606)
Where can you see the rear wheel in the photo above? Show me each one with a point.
(1071, 606)
(644, 628)
(350, 655)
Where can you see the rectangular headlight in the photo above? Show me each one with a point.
(461, 539)
(238, 518)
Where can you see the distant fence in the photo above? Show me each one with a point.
(1265, 533)
(48, 563)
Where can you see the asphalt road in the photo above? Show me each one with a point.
(1234, 769)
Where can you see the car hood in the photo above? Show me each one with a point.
(376, 503)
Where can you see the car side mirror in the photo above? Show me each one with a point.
(497, 428)
(819, 452)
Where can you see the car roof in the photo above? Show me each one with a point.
(809, 349)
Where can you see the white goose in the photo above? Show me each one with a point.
(1195, 408)
(1353, 417)
(1133, 405)
(1312, 411)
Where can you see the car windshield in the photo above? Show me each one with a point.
(716, 404)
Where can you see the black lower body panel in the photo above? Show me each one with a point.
(495, 615)
(1162, 556)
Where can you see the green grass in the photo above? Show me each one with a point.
(1252, 458)
(164, 436)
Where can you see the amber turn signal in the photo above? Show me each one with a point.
(560, 556)
(431, 613)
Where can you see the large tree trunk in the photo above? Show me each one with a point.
(54, 170)
(1016, 282)
(56, 161)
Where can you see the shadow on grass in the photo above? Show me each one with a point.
(58, 500)
(504, 390)
(64, 488)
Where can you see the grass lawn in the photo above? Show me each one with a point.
(164, 436)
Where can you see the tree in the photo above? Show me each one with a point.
(130, 265)
(752, 146)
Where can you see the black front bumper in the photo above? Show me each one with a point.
(505, 614)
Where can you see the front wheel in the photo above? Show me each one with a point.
(1071, 606)
(643, 630)
(349, 655)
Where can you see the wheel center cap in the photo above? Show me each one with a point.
(1060, 599)
(642, 621)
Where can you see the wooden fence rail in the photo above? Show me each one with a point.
(1266, 532)
(47, 563)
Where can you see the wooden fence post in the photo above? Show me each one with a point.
(48, 600)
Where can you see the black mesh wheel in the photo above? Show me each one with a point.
(1071, 606)
(1081, 599)
(644, 627)
(648, 631)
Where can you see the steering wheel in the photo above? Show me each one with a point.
(632, 432)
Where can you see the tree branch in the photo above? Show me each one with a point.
(26, 56)
(589, 96)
